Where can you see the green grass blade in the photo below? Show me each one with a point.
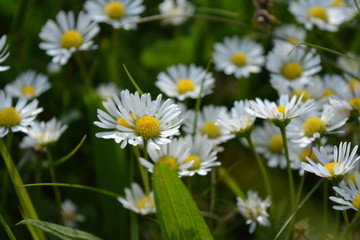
(7, 228)
(62, 232)
(178, 214)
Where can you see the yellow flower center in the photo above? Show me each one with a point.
(147, 127)
(170, 161)
(142, 202)
(328, 93)
(337, 3)
(354, 84)
(355, 103)
(307, 153)
(330, 167)
(239, 59)
(318, 12)
(281, 110)
(28, 90)
(115, 10)
(275, 144)
(291, 70)
(350, 177)
(196, 163)
(71, 38)
(314, 125)
(9, 117)
(185, 85)
(356, 201)
(211, 129)
(292, 40)
(305, 93)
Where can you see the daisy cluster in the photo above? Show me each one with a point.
(306, 125)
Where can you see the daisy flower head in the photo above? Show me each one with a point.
(176, 10)
(207, 124)
(135, 119)
(282, 111)
(183, 82)
(287, 63)
(42, 134)
(16, 118)
(118, 13)
(289, 33)
(239, 57)
(269, 143)
(348, 194)
(254, 210)
(66, 35)
(70, 215)
(319, 13)
(137, 201)
(315, 124)
(4, 53)
(107, 90)
(334, 166)
(238, 121)
(203, 155)
(29, 84)
(174, 154)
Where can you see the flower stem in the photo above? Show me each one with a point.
(288, 167)
(262, 167)
(24, 198)
(7, 228)
(143, 172)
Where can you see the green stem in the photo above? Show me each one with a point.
(325, 204)
(24, 198)
(288, 167)
(83, 70)
(143, 171)
(297, 209)
(56, 189)
(262, 167)
(298, 196)
(134, 226)
(7, 228)
(133, 81)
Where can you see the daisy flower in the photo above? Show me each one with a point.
(335, 166)
(238, 56)
(287, 64)
(282, 111)
(348, 195)
(42, 134)
(202, 154)
(319, 13)
(29, 84)
(289, 33)
(16, 118)
(254, 210)
(315, 124)
(4, 53)
(183, 82)
(176, 154)
(175, 10)
(68, 35)
(238, 121)
(70, 215)
(107, 90)
(137, 201)
(135, 119)
(118, 13)
(207, 124)
(269, 143)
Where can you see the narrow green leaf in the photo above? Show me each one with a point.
(62, 232)
(177, 212)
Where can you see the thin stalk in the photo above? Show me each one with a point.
(298, 196)
(288, 167)
(325, 204)
(56, 189)
(7, 228)
(262, 167)
(24, 198)
(133, 81)
(143, 172)
(83, 70)
(297, 209)
(134, 226)
(213, 191)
